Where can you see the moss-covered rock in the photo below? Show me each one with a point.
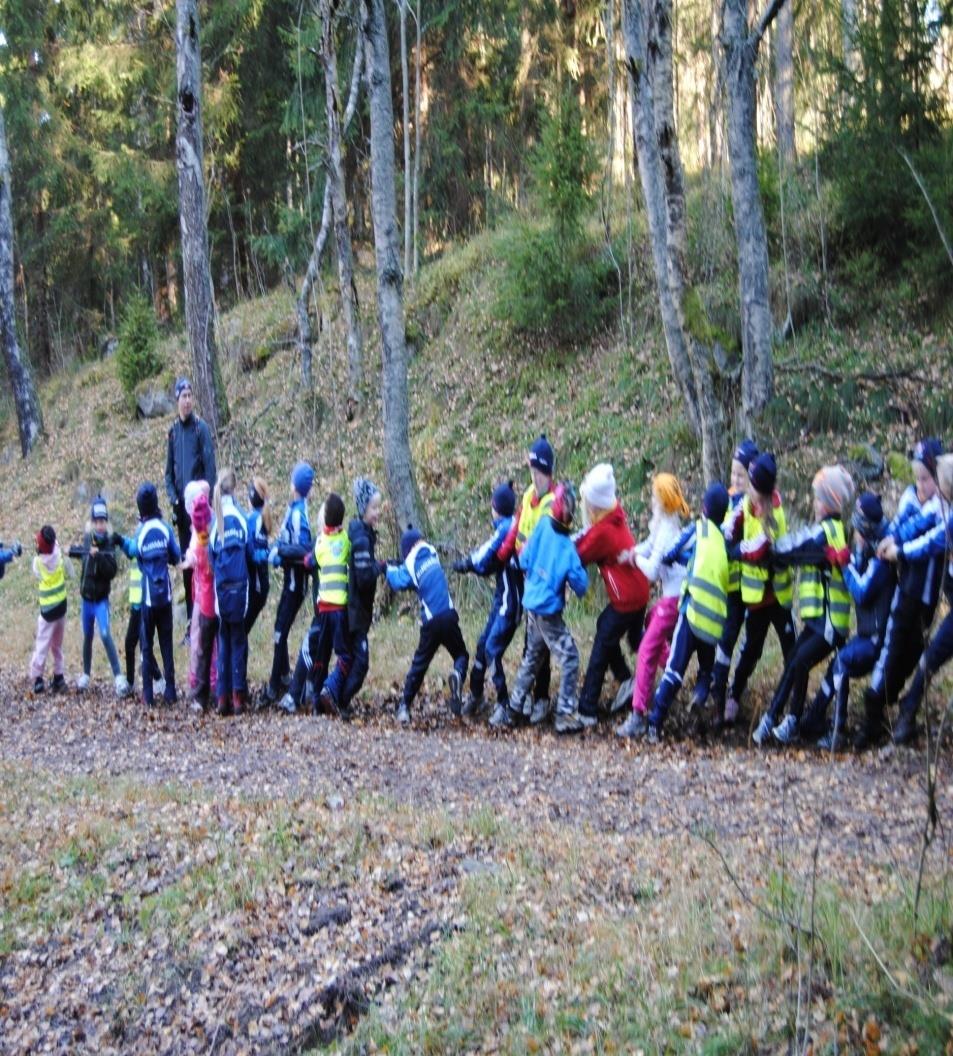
(898, 466)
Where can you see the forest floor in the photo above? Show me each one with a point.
(178, 883)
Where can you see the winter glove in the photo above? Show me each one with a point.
(17, 549)
(463, 564)
(117, 540)
(837, 558)
(382, 568)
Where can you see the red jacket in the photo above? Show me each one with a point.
(627, 587)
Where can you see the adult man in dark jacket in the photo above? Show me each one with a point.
(191, 456)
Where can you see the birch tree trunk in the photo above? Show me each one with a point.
(405, 93)
(390, 299)
(29, 418)
(305, 336)
(784, 84)
(199, 300)
(417, 138)
(648, 52)
(342, 234)
(741, 51)
(849, 30)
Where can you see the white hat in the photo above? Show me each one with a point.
(598, 487)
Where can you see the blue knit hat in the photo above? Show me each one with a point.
(868, 518)
(408, 541)
(928, 451)
(763, 473)
(302, 478)
(715, 502)
(504, 499)
(541, 455)
(99, 511)
(181, 384)
(147, 500)
(746, 452)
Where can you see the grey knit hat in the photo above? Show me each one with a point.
(364, 491)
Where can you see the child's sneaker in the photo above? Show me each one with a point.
(123, 689)
(833, 743)
(82, 683)
(634, 726)
(539, 711)
(158, 687)
(39, 686)
(763, 731)
(287, 704)
(653, 734)
(786, 730)
(732, 707)
(58, 684)
(456, 683)
(568, 721)
(473, 705)
(588, 721)
(502, 717)
(403, 714)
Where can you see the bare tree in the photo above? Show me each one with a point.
(305, 336)
(199, 299)
(741, 45)
(390, 282)
(402, 6)
(688, 338)
(417, 137)
(29, 418)
(336, 183)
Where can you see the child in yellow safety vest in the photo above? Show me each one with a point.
(824, 602)
(702, 609)
(50, 569)
(329, 631)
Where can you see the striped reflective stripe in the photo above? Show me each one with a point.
(709, 588)
(333, 570)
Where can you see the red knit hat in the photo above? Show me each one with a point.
(45, 540)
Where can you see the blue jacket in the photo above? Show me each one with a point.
(683, 549)
(232, 554)
(920, 570)
(259, 570)
(6, 556)
(508, 595)
(550, 561)
(422, 572)
(871, 583)
(156, 548)
(294, 542)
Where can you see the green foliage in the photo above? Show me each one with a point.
(137, 355)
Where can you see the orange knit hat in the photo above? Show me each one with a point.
(669, 492)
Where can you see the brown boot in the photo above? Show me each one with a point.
(224, 707)
(239, 701)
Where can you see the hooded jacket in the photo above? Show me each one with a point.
(550, 561)
(99, 569)
(361, 576)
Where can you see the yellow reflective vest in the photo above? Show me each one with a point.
(755, 578)
(707, 583)
(135, 585)
(332, 552)
(52, 585)
(822, 594)
(734, 567)
(530, 514)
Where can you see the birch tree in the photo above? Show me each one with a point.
(783, 88)
(390, 281)
(29, 418)
(741, 44)
(405, 99)
(336, 183)
(199, 299)
(305, 334)
(646, 28)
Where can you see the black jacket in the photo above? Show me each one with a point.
(99, 569)
(190, 456)
(362, 576)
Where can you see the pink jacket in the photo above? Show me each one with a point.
(203, 582)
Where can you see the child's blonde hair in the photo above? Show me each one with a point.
(225, 485)
(944, 476)
(668, 491)
(266, 516)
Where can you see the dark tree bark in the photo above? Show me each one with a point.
(29, 418)
(305, 336)
(199, 299)
(398, 464)
(741, 45)
(647, 35)
(342, 233)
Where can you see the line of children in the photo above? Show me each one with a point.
(506, 608)
(420, 570)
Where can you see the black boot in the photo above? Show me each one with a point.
(873, 729)
(906, 728)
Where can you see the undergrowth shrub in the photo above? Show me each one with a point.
(137, 355)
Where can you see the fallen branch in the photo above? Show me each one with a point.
(836, 375)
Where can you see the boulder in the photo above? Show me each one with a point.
(152, 401)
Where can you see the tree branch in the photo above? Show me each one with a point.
(768, 15)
